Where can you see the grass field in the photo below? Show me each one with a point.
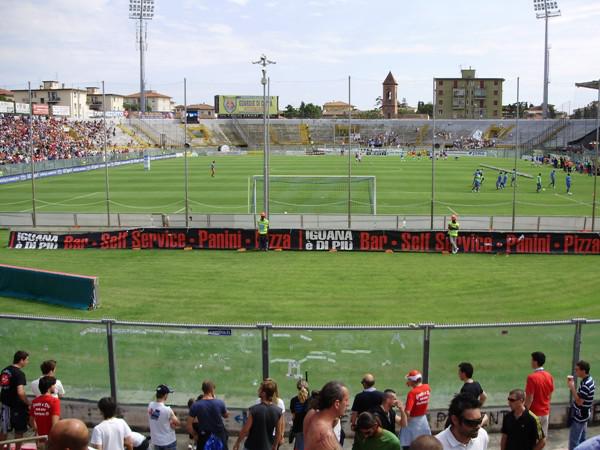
(303, 288)
(295, 287)
(403, 187)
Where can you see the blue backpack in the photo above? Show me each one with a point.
(213, 443)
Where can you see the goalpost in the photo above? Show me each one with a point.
(314, 194)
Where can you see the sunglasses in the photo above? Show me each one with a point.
(513, 399)
(472, 422)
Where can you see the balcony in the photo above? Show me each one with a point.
(458, 103)
(479, 93)
(458, 92)
(53, 99)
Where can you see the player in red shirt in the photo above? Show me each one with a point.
(417, 402)
(45, 409)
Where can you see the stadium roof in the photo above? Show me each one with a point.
(589, 84)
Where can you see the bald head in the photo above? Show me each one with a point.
(68, 434)
(368, 381)
(426, 442)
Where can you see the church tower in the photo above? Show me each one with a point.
(389, 102)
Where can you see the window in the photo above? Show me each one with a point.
(495, 112)
(441, 92)
(440, 82)
(441, 102)
(495, 92)
(481, 103)
(481, 84)
(495, 102)
(455, 84)
(441, 112)
(389, 95)
(495, 82)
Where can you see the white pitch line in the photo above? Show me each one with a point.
(572, 199)
(77, 197)
(179, 211)
(452, 211)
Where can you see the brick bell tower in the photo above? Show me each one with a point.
(389, 101)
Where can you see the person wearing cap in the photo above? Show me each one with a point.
(366, 400)
(162, 420)
(453, 228)
(263, 232)
(417, 401)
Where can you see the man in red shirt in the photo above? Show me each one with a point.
(417, 402)
(538, 390)
(45, 409)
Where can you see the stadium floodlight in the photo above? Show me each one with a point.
(594, 85)
(544, 9)
(264, 62)
(142, 10)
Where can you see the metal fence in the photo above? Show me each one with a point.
(293, 221)
(129, 359)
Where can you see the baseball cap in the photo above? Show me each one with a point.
(163, 389)
(413, 375)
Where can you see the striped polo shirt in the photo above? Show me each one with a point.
(586, 393)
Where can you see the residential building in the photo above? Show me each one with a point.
(114, 102)
(155, 101)
(337, 109)
(55, 99)
(468, 97)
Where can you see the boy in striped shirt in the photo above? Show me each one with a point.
(582, 403)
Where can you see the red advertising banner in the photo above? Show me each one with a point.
(40, 110)
(314, 240)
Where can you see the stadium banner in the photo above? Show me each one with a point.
(77, 169)
(244, 105)
(313, 240)
(22, 108)
(40, 110)
(7, 107)
(66, 289)
(61, 110)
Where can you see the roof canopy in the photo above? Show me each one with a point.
(589, 84)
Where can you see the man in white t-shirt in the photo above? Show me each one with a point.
(465, 425)
(162, 421)
(112, 433)
(48, 369)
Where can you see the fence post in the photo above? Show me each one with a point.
(426, 342)
(112, 362)
(577, 342)
(264, 327)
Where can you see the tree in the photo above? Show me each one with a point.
(290, 112)
(425, 108)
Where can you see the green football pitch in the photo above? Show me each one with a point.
(403, 187)
(303, 288)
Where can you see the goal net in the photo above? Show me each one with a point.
(314, 194)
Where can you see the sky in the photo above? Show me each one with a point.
(316, 44)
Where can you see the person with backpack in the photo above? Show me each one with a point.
(209, 411)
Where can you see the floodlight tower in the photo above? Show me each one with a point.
(142, 10)
(544, 9)
(264, 62)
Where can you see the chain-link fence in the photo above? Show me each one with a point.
(129, 359)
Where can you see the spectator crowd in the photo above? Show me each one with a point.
(379, 419)
(52, 138)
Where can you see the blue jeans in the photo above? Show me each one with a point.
(172, 446)
(577, 434)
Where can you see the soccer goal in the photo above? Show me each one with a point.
(314, 194)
